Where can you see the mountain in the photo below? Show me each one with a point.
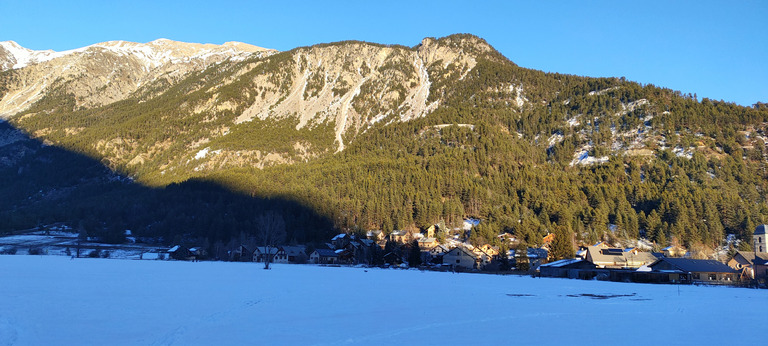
(388, 136)
(106, 72)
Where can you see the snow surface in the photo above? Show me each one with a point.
(53, 300)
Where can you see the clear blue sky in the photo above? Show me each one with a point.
(716, 49)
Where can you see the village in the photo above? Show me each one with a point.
(431, 249)
(601, 261)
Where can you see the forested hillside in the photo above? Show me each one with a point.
(527, 152)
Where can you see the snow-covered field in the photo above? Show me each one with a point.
(53, 300)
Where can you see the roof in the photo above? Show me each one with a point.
(563, 262)
(761, 229)
(339, 236)
(293, 250)
(750, 256)
(694, 265)
(174, 249)
(426, 240)
(465, 250)
(263, 249)
(326, 253)
(440, 248)
(537, 253)
(616, 257)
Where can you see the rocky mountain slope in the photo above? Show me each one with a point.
(106, 72)
(386, 136)
(326, 93)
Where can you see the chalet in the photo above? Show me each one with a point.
(692, 270)
(743, 262)
(261, 252)
(616, 258)
(575, 268)
(324, 256)
(392, 258)
(461, 258)
(435, 254)
(536, 257)
(294, 254)
(426, 243)
(761, 271)
(180, 253)
(399, 236)
(341, 240)
(489, 250)
(241, 254)
(548, 239)
(508, 238)
(375, 235)
(674, 251)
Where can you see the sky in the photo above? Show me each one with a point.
(714, 49)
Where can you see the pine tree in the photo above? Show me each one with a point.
(562, 245)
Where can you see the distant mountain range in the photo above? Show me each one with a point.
(388, 136)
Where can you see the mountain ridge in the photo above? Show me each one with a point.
(394, 137)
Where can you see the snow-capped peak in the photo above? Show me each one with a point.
(151, 54)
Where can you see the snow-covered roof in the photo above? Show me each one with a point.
(339, 236)
(173, 249)
(562, 262)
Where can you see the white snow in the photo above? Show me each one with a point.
(202, 153)
(52, 300)
(151, 55)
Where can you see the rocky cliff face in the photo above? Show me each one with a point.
(106, 72)
(226, 90)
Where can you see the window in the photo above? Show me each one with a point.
(458, 261)
(713, 276)
(696, 276)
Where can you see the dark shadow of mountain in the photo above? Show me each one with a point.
(42, 184)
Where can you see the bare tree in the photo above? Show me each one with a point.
(271, 232)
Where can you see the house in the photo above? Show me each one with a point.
(435, 254)
(375, 235)
(575, 268)
(399, 236)
(180, 252)
(761, 271)
(341, 240)
(198, 253)
(508, 238)
(548, 239)
(759, 240)
(426, 243)
(617, 258)
(692, 270)
(430, 232)
(489, 250)
(324, 256)
(674, 251)
(261, 252)
(392, 258)
(241, 254)
(536, 257)
(461, 258)
(743, 261)
(290, 254)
